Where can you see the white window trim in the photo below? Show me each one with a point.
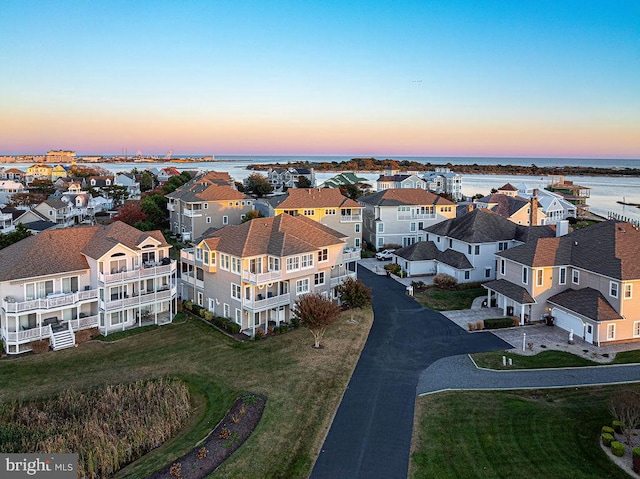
(575, 277)
(560, 280)
(525, 275)
(236, 291)
(611, 328)
(628, 288)
(612, 285)
(539, 277)
(636, 329)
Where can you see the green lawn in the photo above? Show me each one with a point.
(303, 386)
(448, 300)
(547, 359)
(512, 434)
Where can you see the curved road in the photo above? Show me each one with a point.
(370, 436)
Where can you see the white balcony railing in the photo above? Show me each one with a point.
(170, 207)
(138, 273)
(28, 335)
(84, 323)
(53, 301)
(258, 278)
(350, 254)
(186, 254)
(144, 298)
(192, 213)
(341, 279)
(350, 218)
(420, 216)
(270, 302)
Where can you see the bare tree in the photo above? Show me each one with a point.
(355, 294)
(316, 313)
(624, 406)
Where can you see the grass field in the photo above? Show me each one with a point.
(521, 434)
(303, 386)
(547, 359)
(448, 300)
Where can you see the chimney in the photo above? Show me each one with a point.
(470, 208)
(533, 211)
(562, 228)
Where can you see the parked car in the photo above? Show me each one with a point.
(385, 254)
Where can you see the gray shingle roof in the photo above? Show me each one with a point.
(587, 302)
(455, 259)
(427, 250)
(513, 291)
(404, 196)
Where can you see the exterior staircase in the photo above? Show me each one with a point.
(62, 338)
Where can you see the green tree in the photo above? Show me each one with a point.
(117, 194)
(155, 208)
(355, 294)
(21, 232)
(258, 184)
(44, 187)
(252, 215)
(147, 181)
(303, 182)
(316, 313)
(351, 190)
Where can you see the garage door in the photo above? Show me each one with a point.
(568, 322)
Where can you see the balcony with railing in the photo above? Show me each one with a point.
(259, 278)
(170, 207)
(337, 280)
(44, 331)
(416, 216)
(145, 297)
(268, 302)
(351, 254)
(351, 218)
(52, 301)
(148, 270)
(192, 213)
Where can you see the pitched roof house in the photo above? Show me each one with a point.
(111, 277)
(252, 273)
(586, 280)
(400, 180)
(398, 215)
(465, 247)
(520, 210)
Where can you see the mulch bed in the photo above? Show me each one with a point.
(229, 434)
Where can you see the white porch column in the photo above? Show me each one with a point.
(488, 298)
(504, 307)
(522, 314)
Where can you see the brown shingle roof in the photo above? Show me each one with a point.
(317, 198)
(510, 290)
(282, 235)
(404, 196)
(119, 233)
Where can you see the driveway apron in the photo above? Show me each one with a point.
(370, 436)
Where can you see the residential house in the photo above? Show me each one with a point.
(327, 206)
(283, 178)
(58, 171)
(12, 174)
(8, 188)
(345, 178)
(400, 180)
(165, 174)
(574, 194)
(443, 180)
(206, 203)
(554, 207)
(99, 182)
(588, 281)
(508, 190)
(520, 210)
(397, 216)
(39, 172)
(253, 273)
(7, 216)
(465, 247)
(132, 186)
(61, 281)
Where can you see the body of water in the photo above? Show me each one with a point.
(605, 190)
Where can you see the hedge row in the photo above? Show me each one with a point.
(497, 323)
(222, 323)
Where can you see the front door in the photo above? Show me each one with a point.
(588, 334)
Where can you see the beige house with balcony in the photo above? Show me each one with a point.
(588, 281)
(254, 272)
(61, 281)
(206, 203)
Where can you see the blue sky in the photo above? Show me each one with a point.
(424, 78)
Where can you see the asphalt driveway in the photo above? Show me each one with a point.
(370, 436)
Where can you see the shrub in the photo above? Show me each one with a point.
(188, 305)
(176, 470)
(208, 315)
(607, 439)
(635, 454)
(395, 268)
(618, 426)
(202, 453)
(258, 335)
(40, 346)
(471, 325)
(226, 324)
(444, 281)
(418, 284)
(617, 448)
(607, 430)
(497, 323)
(480, 325)
(85, 335)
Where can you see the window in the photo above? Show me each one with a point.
(213, 258)
(116, 318)
(307, 260)
(502, 266)
(70, 285)
(318, 278)
(206, 206)
(293, 263)
(330, 211)
(225, 220)
(323, 255)
(467, 275)
(487, 272)
(208, 219)
(636, 329)
(205, 257)
(235, 264)
(302, 286)
(502, 246)
(628, 291)
(238, 316)
(613, 289)
(525, 275)
(150, 257)
(255, 265)
(562, 276)
(380, 227)
(226, 310)
(539, 277)
(380, 242)
(412, 227)
(274, 264)
(356, 242)
(450, 243)
(477, 250)
(469, 248)
(611, 331)
(575, 277)
(308, 212)
(357, 227)
(198, 255)
(236, 292)
(224, 262)
(38, 290)
(200, 299)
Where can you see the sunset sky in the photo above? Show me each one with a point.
(410, 78)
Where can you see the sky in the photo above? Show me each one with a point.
(381, 78)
